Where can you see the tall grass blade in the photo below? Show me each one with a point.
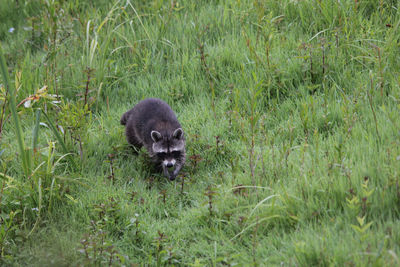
(24, 153)
(39, 208)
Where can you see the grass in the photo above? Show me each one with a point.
(289, 110)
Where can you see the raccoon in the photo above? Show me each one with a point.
(153, 124)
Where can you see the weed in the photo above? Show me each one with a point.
(240, 190)
(88, 72)
(107, 214)
(195, 160)
(99, 251)
(183, 177)
(210, 193)
(112, 175)
(159, 242)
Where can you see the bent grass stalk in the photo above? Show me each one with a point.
(60, 140)
(258, 221)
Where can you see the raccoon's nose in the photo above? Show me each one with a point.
(169, 164)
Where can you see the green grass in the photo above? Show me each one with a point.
(290, 115)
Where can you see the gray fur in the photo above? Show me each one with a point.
(153, 124)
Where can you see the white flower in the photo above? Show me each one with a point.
(11, 30)
(27, 103)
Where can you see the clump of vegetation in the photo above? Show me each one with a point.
(290, 116)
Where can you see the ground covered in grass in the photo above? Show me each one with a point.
(290, 111)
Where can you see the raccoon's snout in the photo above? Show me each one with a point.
(169, 163)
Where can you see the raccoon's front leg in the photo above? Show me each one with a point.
(166, 172)
(176, 171)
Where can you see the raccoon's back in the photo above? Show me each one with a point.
(150, 114)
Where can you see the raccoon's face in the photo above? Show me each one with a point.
(168, 149)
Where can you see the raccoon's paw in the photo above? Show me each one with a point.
(172, 177)
(175, 173)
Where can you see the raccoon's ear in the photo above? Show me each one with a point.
(156, 136)
(178, 133)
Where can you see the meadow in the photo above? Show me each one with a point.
(290, 111)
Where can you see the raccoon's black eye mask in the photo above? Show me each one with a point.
(162, 155)
(173, 153)
(176, 153)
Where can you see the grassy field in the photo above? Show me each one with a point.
(290, 111)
